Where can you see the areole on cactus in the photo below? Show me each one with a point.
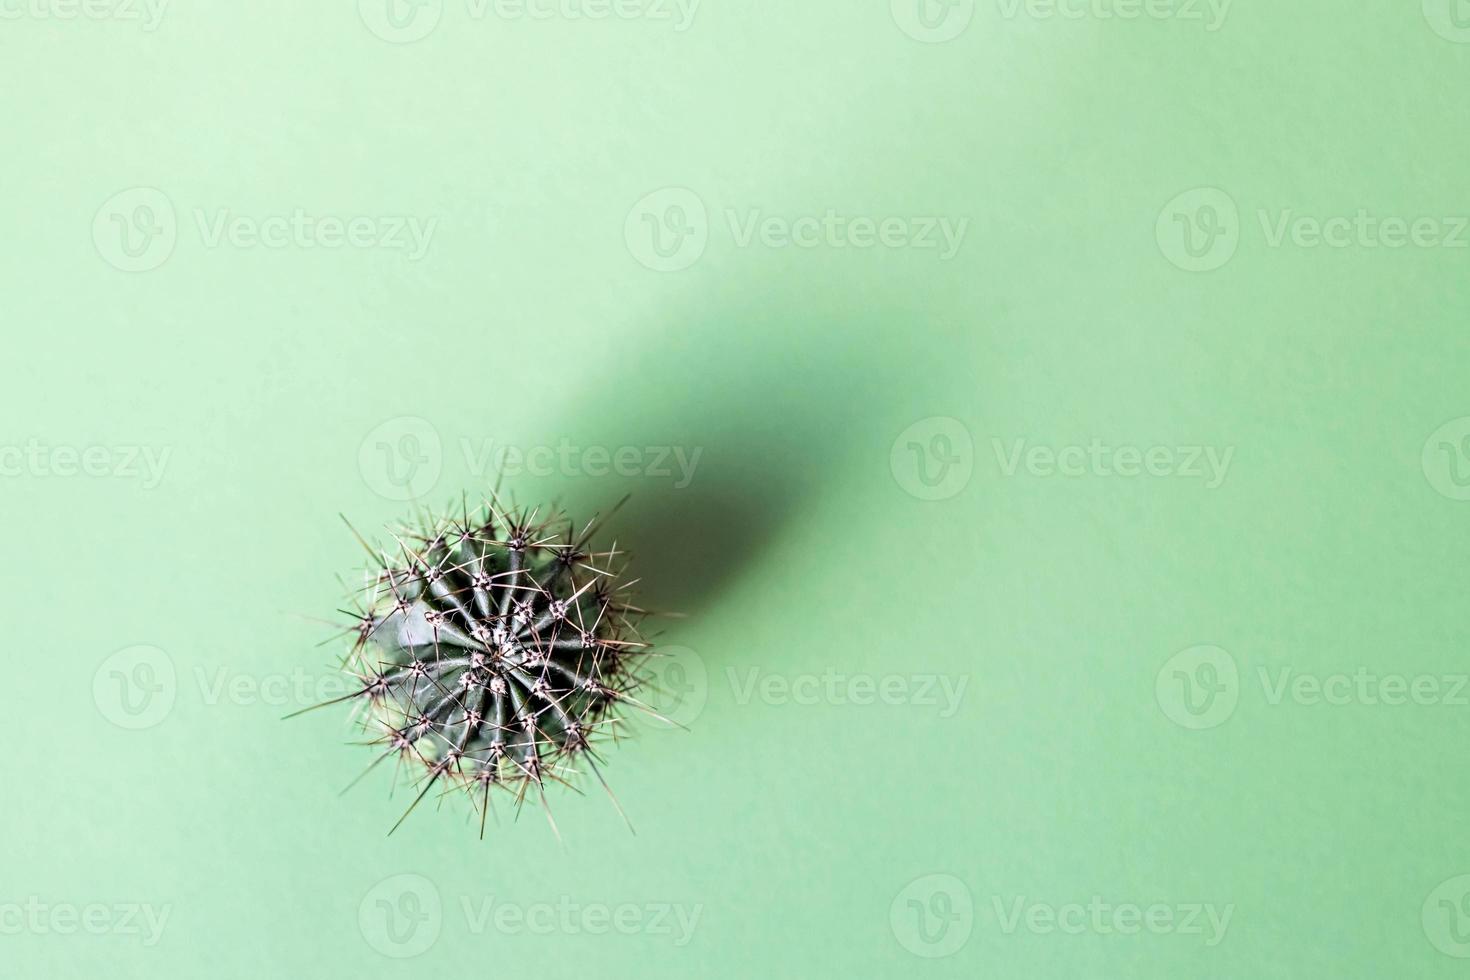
(492, 652)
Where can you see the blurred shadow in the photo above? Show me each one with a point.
(772, 394)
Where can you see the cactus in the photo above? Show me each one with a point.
(491, 653)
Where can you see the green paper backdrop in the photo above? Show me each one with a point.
(1050, 416)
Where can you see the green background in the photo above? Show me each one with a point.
(801, 546)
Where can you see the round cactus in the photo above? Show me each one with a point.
(492, 652)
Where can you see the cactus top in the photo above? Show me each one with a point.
(492, 652)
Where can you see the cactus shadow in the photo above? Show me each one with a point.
(766, 401)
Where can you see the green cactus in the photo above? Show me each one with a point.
(493, 651)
